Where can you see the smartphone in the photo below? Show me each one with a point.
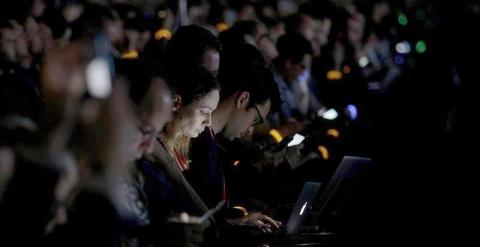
(212, 211)
(296, 140)
(330, 114)
(99, 71)
(184, 218)
(290, 141)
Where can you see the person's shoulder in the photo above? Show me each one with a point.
(204, 139)
(147, 167)
(154, 175)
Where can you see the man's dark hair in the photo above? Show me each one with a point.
(243, 68)
(293, 47)
(186, 48)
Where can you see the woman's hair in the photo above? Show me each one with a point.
(191, 86)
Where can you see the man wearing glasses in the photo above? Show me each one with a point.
(248, 93)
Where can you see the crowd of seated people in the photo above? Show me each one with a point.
(160, 123)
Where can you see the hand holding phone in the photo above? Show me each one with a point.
(290, 141)
(188, 219)
(296, 140)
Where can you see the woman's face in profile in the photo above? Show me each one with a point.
(194, 117)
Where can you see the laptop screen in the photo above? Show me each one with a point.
(341, 188)
(302, 207)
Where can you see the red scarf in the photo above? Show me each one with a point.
(181, 160)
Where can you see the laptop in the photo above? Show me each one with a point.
(302, 207)
(341, 188)
(302, 231)
(338, 190)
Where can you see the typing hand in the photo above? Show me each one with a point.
(259, 220)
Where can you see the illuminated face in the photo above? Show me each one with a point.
(194, 117)
(293, 70)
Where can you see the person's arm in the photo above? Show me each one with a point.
(206, 174)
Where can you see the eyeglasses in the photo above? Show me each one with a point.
(259, 119)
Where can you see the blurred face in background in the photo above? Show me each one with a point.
(380, 10)
(287, 7)
(264, 43)
(21, 45)
(356, 28)
(321, 33)
(114, 30)
(307, 28)
(155, 113)
(38, 8)
(7, 44)
(198, 13)
(294, 70)
(277, 31)
(247, 13)
(211, 60)
(71, 12)
(46, 36)
(324, 32)
(33, 34)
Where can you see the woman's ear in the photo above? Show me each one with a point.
(242, 100)
(177, 103)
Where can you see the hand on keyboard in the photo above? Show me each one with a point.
(258, 220)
